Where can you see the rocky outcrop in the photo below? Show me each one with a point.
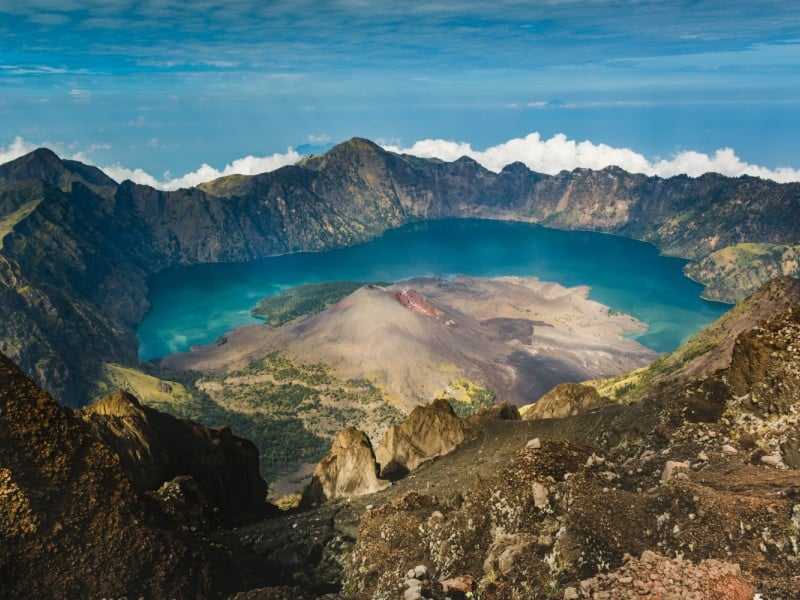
(564, 400)
(416, 302)
(505, 411)
(699, 468)
(765, 365)
(349, 469)
(155, 448)
(72, 525)
(429, 431)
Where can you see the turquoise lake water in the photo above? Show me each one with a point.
(195, 305)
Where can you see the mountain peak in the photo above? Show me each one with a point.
(355, 145)
(45, 165)
(39, 164)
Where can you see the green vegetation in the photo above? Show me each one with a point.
(290, 411)
(282, 439)
(740, 269)
(467, 398)
(147, 388)
(8, 221)
(305, 299)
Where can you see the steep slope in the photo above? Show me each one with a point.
(154, 448)
(121, 501)
(72, 525)
(709, 350)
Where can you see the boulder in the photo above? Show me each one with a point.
(671, 468)
(790, 449)
(349, 469)
(429, 431)
(565, 400)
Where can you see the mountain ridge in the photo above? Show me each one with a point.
(109, 238)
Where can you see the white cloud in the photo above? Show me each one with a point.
(80, 95)
(15, 149)
(561, 153)
(249, 165)
(543, 155)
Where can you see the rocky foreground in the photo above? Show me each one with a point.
(691, 490)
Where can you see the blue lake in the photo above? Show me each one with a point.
(195, 305)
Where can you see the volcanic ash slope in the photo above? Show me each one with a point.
(518, 337)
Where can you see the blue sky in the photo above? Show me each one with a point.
(168, 85)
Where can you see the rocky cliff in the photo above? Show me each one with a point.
(121, 501)
(155, 448)
(71, 521)
(77, 248)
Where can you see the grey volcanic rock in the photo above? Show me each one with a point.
(155, 448)
(349, 469)
(564, 400)
(429, 431)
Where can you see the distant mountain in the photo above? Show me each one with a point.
(77, 248)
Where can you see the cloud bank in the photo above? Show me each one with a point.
(249, 165)
(560, 153)
(549, 156)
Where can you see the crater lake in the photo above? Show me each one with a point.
(195, 305)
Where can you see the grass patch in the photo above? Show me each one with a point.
(146, 388)
(8, 222)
